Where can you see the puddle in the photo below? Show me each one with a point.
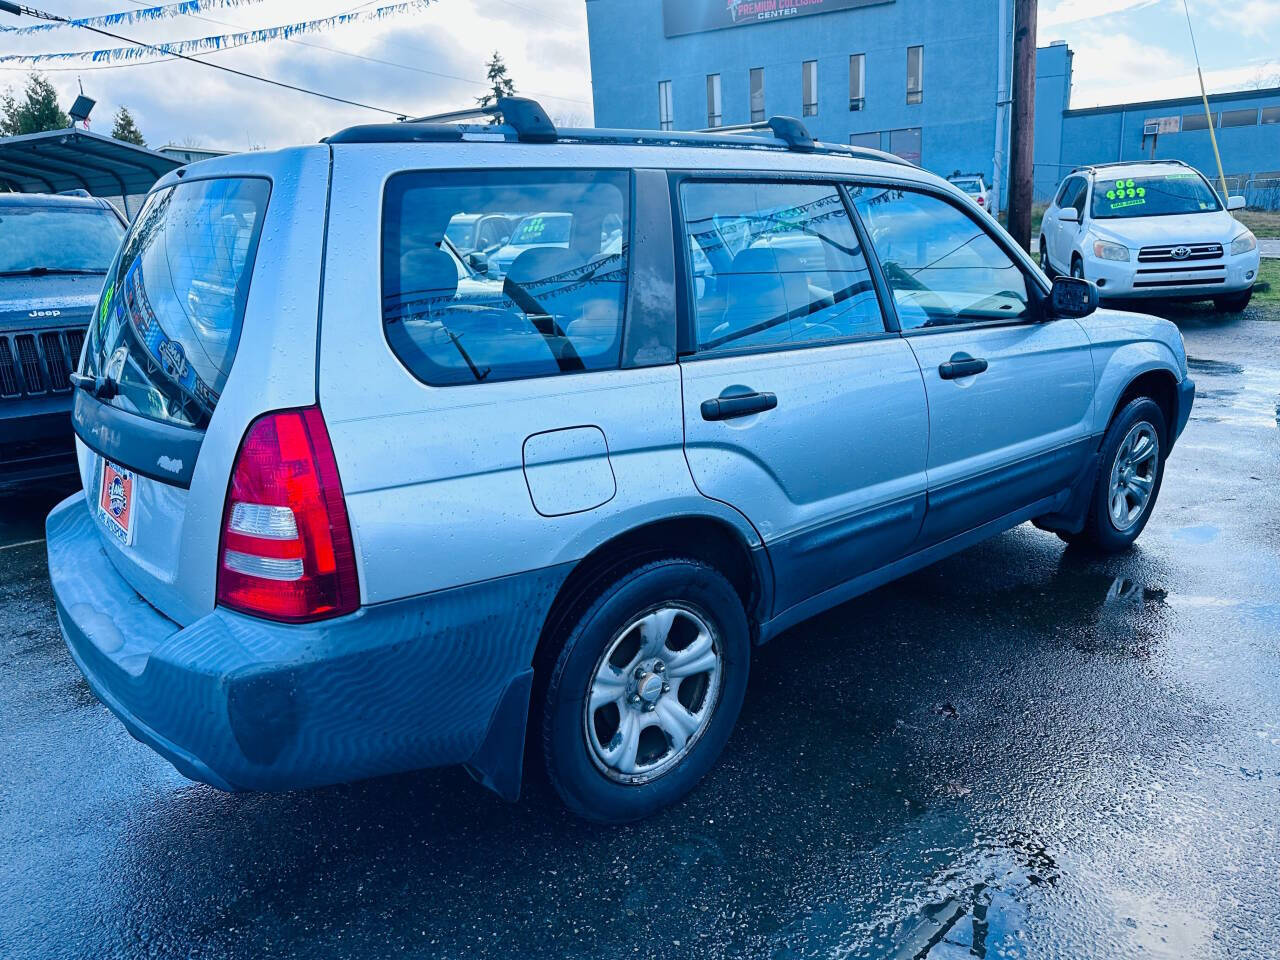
(1221, 367)
(1199, 533)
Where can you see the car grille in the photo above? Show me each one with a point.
(1195, 251)
(36, 364)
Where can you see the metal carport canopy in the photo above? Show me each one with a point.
(70, 159)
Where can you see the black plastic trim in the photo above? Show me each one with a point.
(159, 451)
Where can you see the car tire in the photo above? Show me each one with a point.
(1045, 265)
(1077, 267)
(1109, 528)
(619, 762)
(1235, 303)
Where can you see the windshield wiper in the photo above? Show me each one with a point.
(45, 271)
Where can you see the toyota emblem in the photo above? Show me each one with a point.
(1180, 253)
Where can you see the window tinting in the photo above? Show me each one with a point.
(549, 301)
(168, 323)
(906, 144)
(665, 118)
(915, 74)
(1065, 191)
(857, 82)
(942, 266)
(714, 113)
(1240, 118)
(809, 72)
(775, 263)
(757, 94)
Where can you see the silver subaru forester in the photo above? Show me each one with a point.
(359, 501)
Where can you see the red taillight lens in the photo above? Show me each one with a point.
(286, 549)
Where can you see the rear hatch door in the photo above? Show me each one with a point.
(203, 324)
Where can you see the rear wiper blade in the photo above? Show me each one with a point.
(104, 388)
(46, 271)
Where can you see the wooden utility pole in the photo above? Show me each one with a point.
(1023, 126)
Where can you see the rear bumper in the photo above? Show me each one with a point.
(241, 703)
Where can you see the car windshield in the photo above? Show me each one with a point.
(1164, 195)
(57, 239)
(541, 228)
(459, 232)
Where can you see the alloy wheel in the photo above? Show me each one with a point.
(1133, 476)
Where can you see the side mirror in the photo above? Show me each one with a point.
(1069, 215)
(1072, 298)
(479, 263)
(1235, 203)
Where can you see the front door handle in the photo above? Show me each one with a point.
(726, 408)
(962, 365)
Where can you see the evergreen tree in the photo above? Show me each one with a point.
(36, 112)
(501, 84)
(123, 128)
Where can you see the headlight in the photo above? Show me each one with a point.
(1110, 251)
(1244, 243)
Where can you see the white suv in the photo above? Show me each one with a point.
(1146, 230)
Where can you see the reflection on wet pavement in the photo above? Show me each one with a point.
(1023, 752)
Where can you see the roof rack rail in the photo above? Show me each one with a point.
(1131, 163)
(524, 120)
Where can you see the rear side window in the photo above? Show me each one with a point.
(775, 263)
(168, 322)
(549, 300)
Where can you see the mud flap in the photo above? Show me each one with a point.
(498, 762)
(1071, 518)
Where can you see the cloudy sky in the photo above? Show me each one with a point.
(434, 60)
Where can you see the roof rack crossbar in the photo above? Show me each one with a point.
(787, 129)
(526, 117)
(1130, 163)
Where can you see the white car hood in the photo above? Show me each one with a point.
(1135, 232)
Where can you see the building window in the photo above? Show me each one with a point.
(810, 73)
(857, 81)
(906, 144)
(664, 105)
(915, 74)
(757, 94)
(1240, 118)
(871, 140)
(1271, 114)
(714, 115)
(1196, 121)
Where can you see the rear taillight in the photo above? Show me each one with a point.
(286, 550)
(982, 201)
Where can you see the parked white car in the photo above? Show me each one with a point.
(975, 185)
(1145, 230)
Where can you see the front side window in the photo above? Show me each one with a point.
(1165, 195)
(714, 113)
(665, 118)
(809, 72)
(774, 263)
(168, 321)
(50, 238)
(941, 265)
(857, 82)
(757, 94)
(549, 301)
(1066, 191)
(915, 74)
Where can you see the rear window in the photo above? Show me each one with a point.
(551, 302)
(57, 239)
(168, 323)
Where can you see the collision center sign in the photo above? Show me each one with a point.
(699, 16)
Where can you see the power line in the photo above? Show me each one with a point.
(43, 15)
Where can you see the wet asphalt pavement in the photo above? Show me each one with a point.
(1019, 752)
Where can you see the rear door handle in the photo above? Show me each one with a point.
(726, 408)
(962, 365)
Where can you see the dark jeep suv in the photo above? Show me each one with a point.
(54, 255)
